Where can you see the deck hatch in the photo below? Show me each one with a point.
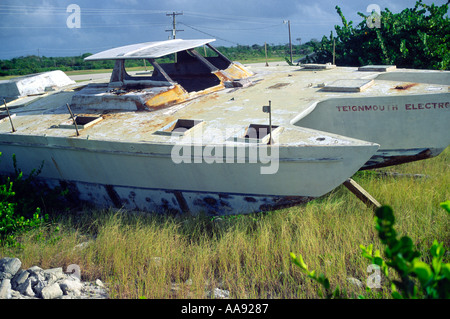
(4, 117)
(257, 133)
(81, 121)
(377, 68)
(180, 127)
(318, 66)
(348, 85)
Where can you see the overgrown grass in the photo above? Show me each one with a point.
(139, 255)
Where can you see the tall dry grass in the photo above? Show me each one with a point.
(140, 255)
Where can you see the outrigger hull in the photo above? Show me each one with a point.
(406, 111)
(408, 127)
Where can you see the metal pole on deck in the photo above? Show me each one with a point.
(73, 119)
(9, 115)
(268, 109)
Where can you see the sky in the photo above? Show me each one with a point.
(73, 27)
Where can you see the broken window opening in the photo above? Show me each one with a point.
(121, 79)
(145, 74)
(192, 72)
(220, 61)
(4, 117)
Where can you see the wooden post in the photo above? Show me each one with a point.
(362, 194)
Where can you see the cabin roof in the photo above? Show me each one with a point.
(148, 50)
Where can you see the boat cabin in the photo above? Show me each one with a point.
(189, 76)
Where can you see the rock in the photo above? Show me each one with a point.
(99, 283)
(38, 286)
(5, 289)
(218, 294)
(51, 292)
(69, 286)
(35, 283)
(53, 275)
(9, 267)
(93, 291)
(26, 288)
(19, 278)
(35, 270)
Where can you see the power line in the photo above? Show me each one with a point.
(28, 10)
(85, 26)
(242, 29)
(209, 34)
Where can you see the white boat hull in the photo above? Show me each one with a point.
(407, 127)
(145, 177)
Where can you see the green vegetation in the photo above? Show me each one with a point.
(417, 37)
(143, 255)
(243, 53)
(21, 203)
(402, 257)
(15, 208)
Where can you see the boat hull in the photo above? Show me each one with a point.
(408, 127)
(147, 176)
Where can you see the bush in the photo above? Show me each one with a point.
(18, 213)
(417, 279)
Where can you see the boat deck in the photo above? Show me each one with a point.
(293, 93)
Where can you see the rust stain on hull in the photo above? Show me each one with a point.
(278, 85)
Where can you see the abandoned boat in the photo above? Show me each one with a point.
(203, 134)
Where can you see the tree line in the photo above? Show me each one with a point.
(417, 37)
(35, 64)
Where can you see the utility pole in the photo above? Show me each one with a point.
(174, 27)
(174, 23)
(290, 42)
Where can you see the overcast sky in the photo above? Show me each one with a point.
(43, 26)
